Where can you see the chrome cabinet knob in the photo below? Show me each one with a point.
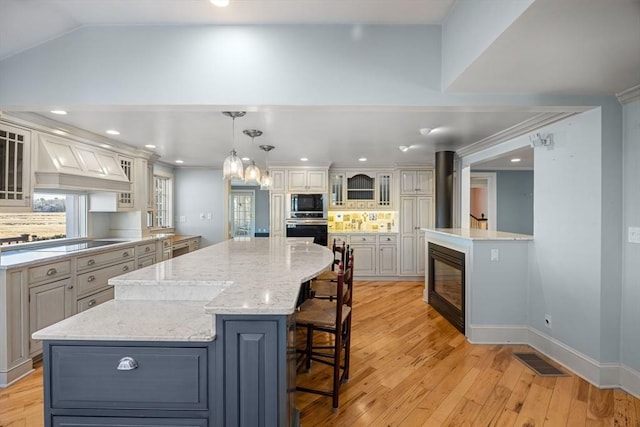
(127, 364)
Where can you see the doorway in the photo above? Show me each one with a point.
(483, 203)
(242, 211)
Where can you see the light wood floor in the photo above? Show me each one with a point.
(411, 368)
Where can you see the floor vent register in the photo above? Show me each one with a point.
(538, 365)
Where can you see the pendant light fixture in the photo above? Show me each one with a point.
(252, 174)
(265, 182)
(233, 167)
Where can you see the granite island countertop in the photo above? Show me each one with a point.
(476, 234)
(177, 299)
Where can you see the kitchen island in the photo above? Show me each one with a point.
(206, 339)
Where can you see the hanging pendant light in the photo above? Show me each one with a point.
(233, 167)
(265, 182)
(252, 174)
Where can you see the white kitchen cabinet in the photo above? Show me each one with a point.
(277, 180)
(384, 190)
(95, 299)
(416, 182)
(387, 256)
(48, 304)
(307, 180)
(416, 212)
(364, 258)
(15, 167)
(277, 214)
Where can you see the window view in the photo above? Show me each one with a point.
(163, 187)
(47, 221)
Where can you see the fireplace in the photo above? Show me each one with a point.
(446, 283)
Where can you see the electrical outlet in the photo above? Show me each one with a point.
(495, 255)
(182, 218)
(209, 216)
(634, 235)
(547, 320)
(201, 215)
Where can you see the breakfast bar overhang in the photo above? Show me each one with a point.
(206, 339)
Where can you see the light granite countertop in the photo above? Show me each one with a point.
(176, 300)
(477, 234)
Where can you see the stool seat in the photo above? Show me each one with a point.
(325, 289)
(330, 275)
(320, 313)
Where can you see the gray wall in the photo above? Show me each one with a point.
(515, 201)
(630, 344)
(199, 191)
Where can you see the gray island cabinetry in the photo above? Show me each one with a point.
(204, 339)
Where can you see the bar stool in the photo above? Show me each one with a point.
(332, 317)
(323, 287)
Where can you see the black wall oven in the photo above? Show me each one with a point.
(316, 228)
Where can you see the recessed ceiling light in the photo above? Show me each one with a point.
(303, 159)
(149, 146)
(515, 160)
(425, 131)
(404, 148)
(245, 159)
(362, 159)
(179, 162)
(105, 146)
(113, 132)
(59, 112)
(59, 132)
(220, 3)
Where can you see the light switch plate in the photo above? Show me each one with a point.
(495, 255)
(634, 234)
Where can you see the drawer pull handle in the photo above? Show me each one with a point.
(125, 254)
(91, 278)
(147, 249)
(125, 268)
(91, 303)
(388, 239)
(69, 286)
(127, 364)
(91, 262)
(51, 271)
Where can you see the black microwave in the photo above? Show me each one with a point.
(307, 206)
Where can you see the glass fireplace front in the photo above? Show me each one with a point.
(446, 283)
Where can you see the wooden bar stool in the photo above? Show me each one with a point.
(332, 317)
(323, 287)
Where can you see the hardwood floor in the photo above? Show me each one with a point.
(412, 368)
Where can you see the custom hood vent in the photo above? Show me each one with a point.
(70, 165)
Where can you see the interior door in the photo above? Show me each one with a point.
(242, 210)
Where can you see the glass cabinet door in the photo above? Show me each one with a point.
(337, 190)
(383, 198)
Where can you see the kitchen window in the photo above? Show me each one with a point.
(163, 186)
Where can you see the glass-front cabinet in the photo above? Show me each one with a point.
(360, 190)
(15, 161)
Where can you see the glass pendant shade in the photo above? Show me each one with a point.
(265, 182)
(252, 174)
(233, 167)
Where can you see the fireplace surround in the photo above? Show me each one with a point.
(446, 283)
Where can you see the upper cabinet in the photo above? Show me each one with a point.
(15, 172)
(361, 190)
(125, 200)
(416, 182)
(307, 180)
(277, 180)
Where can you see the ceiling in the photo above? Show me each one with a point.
(591, 52)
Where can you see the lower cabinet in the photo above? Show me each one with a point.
(128, 383)
(126, 422)
(364, 259)
(47, 305)
(374, 254)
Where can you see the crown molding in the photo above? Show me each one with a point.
(508, 134)
(629, 95)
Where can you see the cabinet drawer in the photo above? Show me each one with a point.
(94, 280)
(384, 238)
(95, 299)
(362, 238)
(93, 261)
(339, 239)
(49, 271)
(146, 261)
(126, 422)
(147, 249)
(169, 378)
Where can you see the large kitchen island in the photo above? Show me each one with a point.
(205, 339)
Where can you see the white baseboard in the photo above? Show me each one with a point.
(602, 375)
(16, 373)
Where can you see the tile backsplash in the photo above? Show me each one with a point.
(363, 221)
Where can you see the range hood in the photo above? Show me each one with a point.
(69, 165)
